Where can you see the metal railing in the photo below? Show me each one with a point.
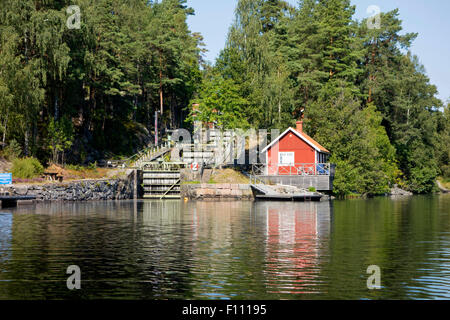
(298, 169)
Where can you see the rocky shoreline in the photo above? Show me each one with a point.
(86, 190)
(397, 192)
(123, 189)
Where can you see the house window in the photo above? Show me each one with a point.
(322, 158)
(286, 158)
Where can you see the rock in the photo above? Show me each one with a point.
(396, 191)
(79, 191)
(21, 191)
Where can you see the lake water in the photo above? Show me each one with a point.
(228, 250)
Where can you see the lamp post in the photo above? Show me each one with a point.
(156, 127)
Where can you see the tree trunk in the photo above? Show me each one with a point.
(27, 144)
(5, 129)
(161, 98)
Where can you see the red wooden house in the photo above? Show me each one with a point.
(296, 153)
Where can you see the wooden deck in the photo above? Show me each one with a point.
(11, 201)
(317, 175)
(266, 192)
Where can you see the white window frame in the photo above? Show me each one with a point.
(287, 154)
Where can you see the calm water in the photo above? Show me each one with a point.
(228, 250)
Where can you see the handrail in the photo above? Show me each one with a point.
(296, 169)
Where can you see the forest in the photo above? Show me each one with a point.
(79, 95)
(91, 93)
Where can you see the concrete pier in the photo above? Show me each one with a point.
(12, 201)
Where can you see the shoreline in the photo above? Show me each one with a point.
(73, 191)
(124, 189)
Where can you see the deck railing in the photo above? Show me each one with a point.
(298, 169)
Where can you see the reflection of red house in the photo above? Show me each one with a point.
(292, 251)
(295, 153)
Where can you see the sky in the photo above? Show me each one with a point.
(429, 19)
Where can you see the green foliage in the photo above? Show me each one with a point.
(92, 166)
(363, 95)
(191, 182)
(312, 189)
(27, 168)
(60, 138)
(251, 61)
(128, 59)
(443, 151)
(74, 167)
(422, 179)
(13, 150)
(358, 142)
(220, 102)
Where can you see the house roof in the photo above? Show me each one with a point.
(313, 143)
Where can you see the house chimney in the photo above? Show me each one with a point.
(300, 126)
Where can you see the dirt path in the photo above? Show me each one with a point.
(4, 165)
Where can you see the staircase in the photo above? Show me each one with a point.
(212, 148)
(150, 155)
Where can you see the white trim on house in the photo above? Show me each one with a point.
(267, 164)
(298, 134)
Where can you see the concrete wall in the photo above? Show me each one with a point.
(321, 183)
(217, 191)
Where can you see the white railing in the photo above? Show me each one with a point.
(298, 169)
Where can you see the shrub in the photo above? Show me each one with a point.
(446, 171)
(13, 150)
(312, 189)
(92, 166)
(26, 168)
(74, 167)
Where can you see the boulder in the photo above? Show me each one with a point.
(396, 191)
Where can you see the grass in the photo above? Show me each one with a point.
(228, 176)
(191, 182)
(77, 172)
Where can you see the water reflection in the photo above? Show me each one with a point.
(5, 236)
(294, 236)
(227, 250)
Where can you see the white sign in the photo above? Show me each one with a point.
(286, 158)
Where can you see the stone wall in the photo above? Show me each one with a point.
(217, 191)
(85, 190)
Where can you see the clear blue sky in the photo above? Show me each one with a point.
(428, 18)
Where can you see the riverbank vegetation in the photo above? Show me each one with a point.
(26, 168)
(363, 94)
(83, 94)
(89, 93)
